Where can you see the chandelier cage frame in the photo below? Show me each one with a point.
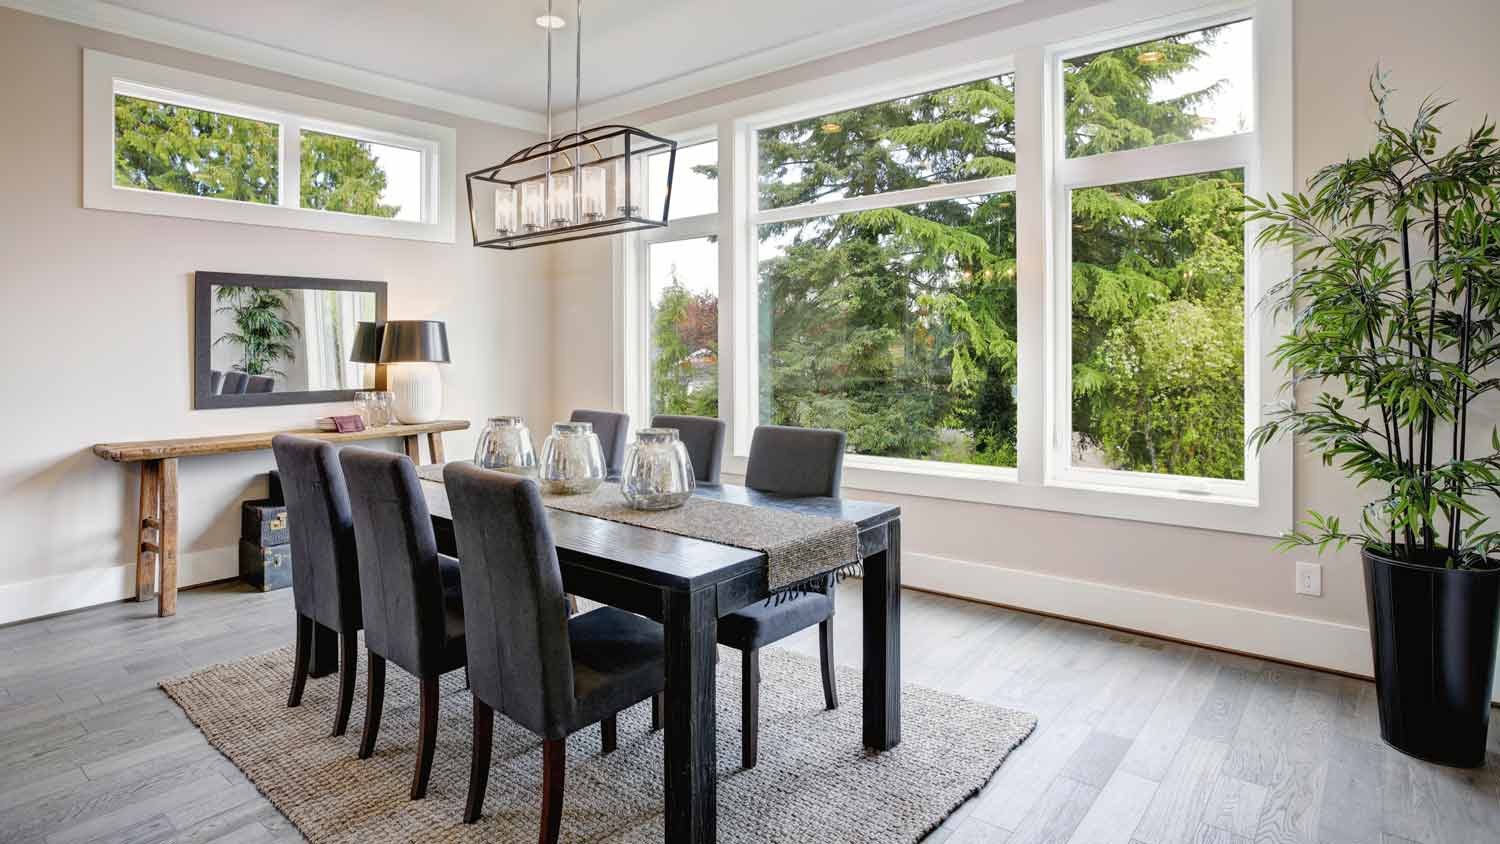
(564, 207)
(636, 145)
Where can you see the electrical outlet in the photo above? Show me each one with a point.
(1310, 579)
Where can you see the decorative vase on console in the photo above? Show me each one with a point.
(413, 349)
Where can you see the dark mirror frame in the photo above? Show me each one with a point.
(203, 284)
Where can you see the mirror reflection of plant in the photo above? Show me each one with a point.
(1396, 302)
(261, 330)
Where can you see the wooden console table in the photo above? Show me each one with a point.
(158, 459)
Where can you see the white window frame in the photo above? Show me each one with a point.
(1261, 506)
(105, 75)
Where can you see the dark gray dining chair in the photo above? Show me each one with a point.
(260, 384)
(796, 463)
(547, 672)
(325, 576)
(612, 429)
(704, 439)
(235, 383)
(412, 597)
(215, 381)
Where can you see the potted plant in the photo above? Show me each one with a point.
(260, 329)
(1395, 306)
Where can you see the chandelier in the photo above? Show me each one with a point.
(586, 183)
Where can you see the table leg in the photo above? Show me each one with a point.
(413, 446)
(167, 601)
(882, 669)
(435, 446)
(148, 534)
(325, 651)
(690, 622)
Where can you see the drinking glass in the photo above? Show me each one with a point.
(505, 445)
(572, 459)
(658, 472)
(364, 407)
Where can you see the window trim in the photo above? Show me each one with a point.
(1027, 50)
(105, 74)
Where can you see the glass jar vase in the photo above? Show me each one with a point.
(572, 459)
(658, 473)
(505, 445)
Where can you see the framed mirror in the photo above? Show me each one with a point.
(266, 340)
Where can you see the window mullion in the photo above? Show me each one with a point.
(1032, 359)
(290, 195)
(890, 199)
(1158, 162)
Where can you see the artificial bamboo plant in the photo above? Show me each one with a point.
(1395, 312)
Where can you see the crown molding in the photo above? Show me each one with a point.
(109, 18)
(873, 30)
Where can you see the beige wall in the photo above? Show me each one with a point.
(1338, 43)
(95, 322)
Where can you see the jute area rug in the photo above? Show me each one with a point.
(814, 781)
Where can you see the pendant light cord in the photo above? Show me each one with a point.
(548, 28)
(577, 111)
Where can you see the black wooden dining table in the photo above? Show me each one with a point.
(688, 584)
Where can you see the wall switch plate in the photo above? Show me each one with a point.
(1310, 579)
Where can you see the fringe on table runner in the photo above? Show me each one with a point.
(819, 583)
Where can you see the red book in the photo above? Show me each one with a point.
(348, 424)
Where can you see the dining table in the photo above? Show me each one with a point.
(688, 585)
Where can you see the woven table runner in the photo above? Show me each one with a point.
(800, 548)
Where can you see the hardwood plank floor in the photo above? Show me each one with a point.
(1139, 739)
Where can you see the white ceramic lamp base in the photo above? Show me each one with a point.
(418, 390)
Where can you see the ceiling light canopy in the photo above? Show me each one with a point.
(586, 183)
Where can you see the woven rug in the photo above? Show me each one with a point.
(798, 546)
(814, 782)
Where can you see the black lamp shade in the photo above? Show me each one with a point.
(414, 341)
(366, 346)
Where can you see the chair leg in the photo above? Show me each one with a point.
(750, 708)
(348, 663)
(479, 762)
(374, 701)
(825, 652)
(656, 712)
(554, 766)
(609, 734)
(426, 737)
(301, 661)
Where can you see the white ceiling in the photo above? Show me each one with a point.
(491, 50)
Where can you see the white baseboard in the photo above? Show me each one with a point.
(91, 587)
(1309, 641)
(1306, 641)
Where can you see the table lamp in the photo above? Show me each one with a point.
(366, 345)
(413, 348)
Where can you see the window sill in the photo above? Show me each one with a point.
(1003, 487)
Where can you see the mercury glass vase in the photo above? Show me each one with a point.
(658, 472)
(572, 459)
(505, 445)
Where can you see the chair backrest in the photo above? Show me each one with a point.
(399, 584)
(612, 429)
(796, 461)
(235, 383)
(260, 384)
(515, 612)
(215, 381)
(325, 574)
(704, 438)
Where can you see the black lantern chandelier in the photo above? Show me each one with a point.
(587, 183)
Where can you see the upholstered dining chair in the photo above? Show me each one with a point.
(325, 579)
(801, 463)
(550, 673)
(704, 438)
(612, 429)
(235, 383)
(260, 384)
(412, 597)
(215, 381)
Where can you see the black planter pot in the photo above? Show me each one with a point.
(1433, 632)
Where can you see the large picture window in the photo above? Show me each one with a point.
(1013, 271)
(887, 275)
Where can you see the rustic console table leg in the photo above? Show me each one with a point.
(413, 446)
(435, 446)
(167, 601)
(148, 535)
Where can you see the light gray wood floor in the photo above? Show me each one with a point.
(1138, 739)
